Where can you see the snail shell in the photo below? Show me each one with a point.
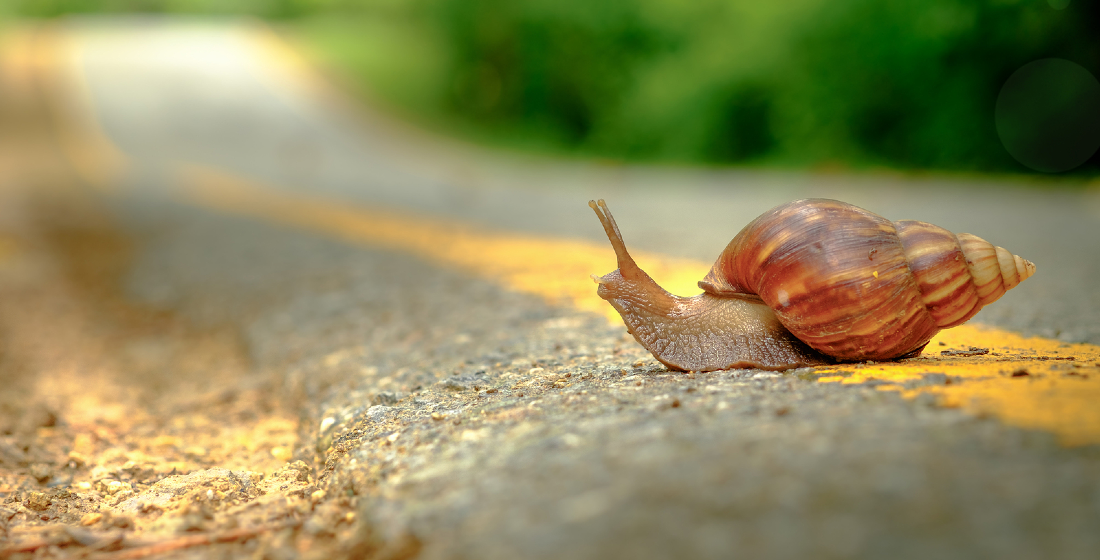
(849, 284)
(857, 286)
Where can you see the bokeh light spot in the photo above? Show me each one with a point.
(1048, 115)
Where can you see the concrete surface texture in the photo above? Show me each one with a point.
(457, 415)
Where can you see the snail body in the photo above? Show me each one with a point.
(813, 282)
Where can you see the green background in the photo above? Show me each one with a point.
(906, 84)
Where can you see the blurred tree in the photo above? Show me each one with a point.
(910, 83)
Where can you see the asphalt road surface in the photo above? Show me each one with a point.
(212, 260)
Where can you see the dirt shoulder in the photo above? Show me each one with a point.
(124, 429)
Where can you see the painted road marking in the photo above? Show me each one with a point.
(557, 270)
(1028, 382)
(1031, 382)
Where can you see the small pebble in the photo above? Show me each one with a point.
(41, 472)
(37, 501)
(77, 460)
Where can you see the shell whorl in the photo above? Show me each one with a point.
(958, 274)
(857, 286)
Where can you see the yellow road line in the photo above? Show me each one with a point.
(1027, 382)
(1031, 382)
(557, 270)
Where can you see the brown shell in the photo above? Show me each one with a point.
(856, 286)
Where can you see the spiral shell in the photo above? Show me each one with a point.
(856, 286)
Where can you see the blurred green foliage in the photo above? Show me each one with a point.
(906, 83)
(275, 9)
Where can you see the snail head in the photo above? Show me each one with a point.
(629, 284)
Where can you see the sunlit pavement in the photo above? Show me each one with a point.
(261, 198)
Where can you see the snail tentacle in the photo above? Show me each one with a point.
(627, 267)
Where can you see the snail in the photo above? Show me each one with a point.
(813, 282)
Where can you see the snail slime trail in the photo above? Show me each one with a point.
(813, 282)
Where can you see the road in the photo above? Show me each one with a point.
(360, 339)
